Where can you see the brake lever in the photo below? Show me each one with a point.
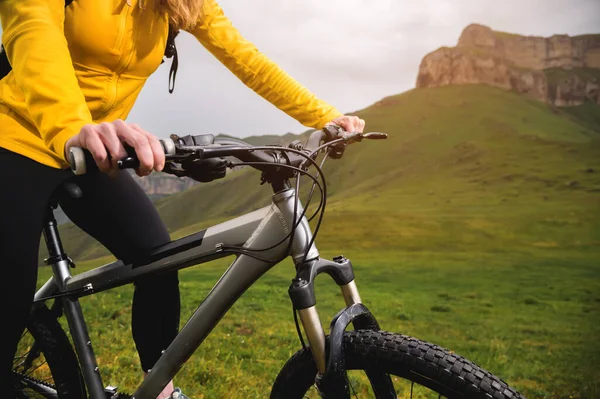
(335, 132)
(130, 161)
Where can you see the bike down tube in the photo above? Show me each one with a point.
(193, 249)
(241, 274)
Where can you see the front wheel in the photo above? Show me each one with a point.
(419, 370)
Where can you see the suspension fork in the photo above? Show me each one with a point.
(331, 379)
(302, 293)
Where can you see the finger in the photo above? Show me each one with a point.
(346, 123)
(108, 135)
(357, 124)
(95, 146)
(155, 146)
(355, 120)
(140, 144)
(339, 121)
(361, 125)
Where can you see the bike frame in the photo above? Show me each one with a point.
(263, 228)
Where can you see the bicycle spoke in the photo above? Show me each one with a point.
(360, 388)
(31, 362)
(19, 362)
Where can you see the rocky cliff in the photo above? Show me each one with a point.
(560, 70)
(161, 184)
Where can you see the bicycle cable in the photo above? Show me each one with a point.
(319, 211)
(321, 207)
(298, 327)
(322, 189)
(295, 224)
(294, 311)
(296, 197)
(322, 203)
(313, 188)
(329, 144)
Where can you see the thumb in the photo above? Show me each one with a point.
(74, 141)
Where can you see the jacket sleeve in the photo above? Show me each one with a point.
(37, 50)
(258, 72)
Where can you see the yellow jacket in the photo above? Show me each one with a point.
(89, 62)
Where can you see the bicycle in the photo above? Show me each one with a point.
(259, 240)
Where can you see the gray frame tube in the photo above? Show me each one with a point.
(262, 228)
(240, 275)
(232, 232)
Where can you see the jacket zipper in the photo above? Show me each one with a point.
(121, 33)
(124, 60)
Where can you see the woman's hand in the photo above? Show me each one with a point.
(349, 123)
(105, 142)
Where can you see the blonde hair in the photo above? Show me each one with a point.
(182, 13)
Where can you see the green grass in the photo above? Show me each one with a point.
(587, 113)
(527, 317)
(475, 226)
(481, 144)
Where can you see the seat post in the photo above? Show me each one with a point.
(56, 252)
(60, 263)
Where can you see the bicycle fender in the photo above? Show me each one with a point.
(334, 384)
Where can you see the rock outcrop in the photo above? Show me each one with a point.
(161, 184)
(560, 70)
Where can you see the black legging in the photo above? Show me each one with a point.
(115, 211)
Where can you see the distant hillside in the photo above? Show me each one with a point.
(560, 70)
(502, 161)
(158, 185)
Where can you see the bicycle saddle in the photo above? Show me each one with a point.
(72, 189)
(66, 188)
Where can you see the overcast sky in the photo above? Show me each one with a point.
(351, 53)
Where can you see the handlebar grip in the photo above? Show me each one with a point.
(376, 136)
(79, 159)
(168, 146)
(82, 161)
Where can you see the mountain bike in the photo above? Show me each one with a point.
(49, 364)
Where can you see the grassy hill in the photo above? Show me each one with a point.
(476, 226)
(471, 149)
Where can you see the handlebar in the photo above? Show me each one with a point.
(81, 159)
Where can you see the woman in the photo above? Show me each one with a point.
(76, 73)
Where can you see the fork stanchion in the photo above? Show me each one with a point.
(350, 293)
(315, 335)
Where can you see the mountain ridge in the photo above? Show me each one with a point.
(454, 143)
(560, 70)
